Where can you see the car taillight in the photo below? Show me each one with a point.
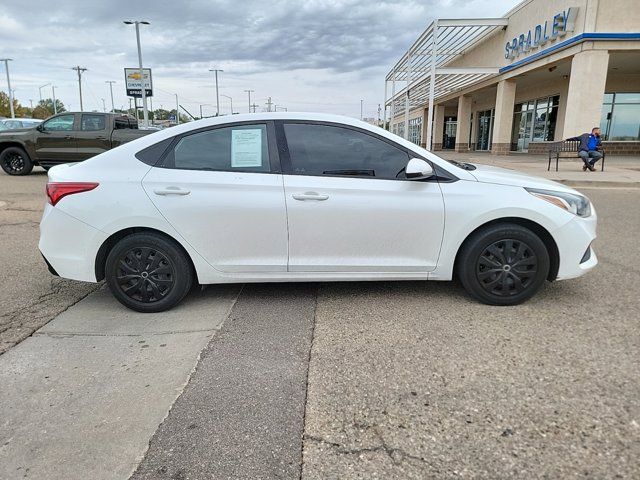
(57, 190)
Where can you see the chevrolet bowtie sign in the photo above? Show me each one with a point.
(133, 82)
(561, 23)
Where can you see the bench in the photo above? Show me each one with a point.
(568, 149)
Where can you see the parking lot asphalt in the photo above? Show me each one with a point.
(30, 296)
(415, 380)
(344, 380)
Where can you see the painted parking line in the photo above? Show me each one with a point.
(82, 397)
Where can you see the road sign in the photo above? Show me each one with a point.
(133, 82)
(172, 118)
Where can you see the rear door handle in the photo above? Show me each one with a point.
(172, 191)
(310, 196)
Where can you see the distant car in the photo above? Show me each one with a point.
(65, 138)
(17, 123)
(282, 197)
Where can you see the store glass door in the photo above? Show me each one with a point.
(485, 130)
(449, 136)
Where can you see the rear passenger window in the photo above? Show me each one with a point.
(92, 123)
(241, 148)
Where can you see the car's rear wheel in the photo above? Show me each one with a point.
(503, 264)
(148, 272)
(15, 161)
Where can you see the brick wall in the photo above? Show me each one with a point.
(612, 148)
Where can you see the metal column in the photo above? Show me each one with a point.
(407, 98)
(432, 84)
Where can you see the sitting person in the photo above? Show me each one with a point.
(590, 143)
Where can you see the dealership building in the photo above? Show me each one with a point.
(547, 70)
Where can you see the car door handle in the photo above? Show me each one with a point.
(172, 191)
(309, 196)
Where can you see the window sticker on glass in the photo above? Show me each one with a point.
(246, 148)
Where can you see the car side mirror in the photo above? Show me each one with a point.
(40, 127)
(418, 169)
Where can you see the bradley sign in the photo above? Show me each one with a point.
(561, 23)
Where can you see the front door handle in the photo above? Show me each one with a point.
(172, 191)
(310, 196)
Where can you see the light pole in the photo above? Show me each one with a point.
(203, 105)
(231, 100)
(79, 69)
(215, 71)
(6, 67)
(111, 82)
(249, 92)
(40, 89)
(361, 101)
(31, 103)
(177, 110)
(143, 90)
(104, 106)
(53, 93)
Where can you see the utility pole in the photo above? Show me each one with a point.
(80, 69)
(254, 106)
(379, 110)
(111, 82)
(31, 103)
(215, 71)
(249, 92)
(361, 102)
(6, 67)
(269, 103)
(143, 90)
(53, 93)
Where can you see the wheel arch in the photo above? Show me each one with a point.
(114, 238)
(539, 230)
(14, 143)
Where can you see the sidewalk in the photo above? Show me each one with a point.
(619, 171)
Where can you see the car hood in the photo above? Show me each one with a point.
(14, 132)
(505, 176)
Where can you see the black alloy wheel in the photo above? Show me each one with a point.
(145, 274)
(15, 161)
(506, 267)
(148, 272)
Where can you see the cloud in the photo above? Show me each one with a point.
(327, 53)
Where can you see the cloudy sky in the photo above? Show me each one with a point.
(307, 55)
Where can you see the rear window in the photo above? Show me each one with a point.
(151, 155)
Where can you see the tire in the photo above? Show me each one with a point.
(15, 161)
(503, 264)
(148, 272)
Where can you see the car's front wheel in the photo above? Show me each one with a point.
(148, 272)
(503, 264)
(15, 161)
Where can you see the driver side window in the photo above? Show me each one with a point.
(61, 123)
(337, 151)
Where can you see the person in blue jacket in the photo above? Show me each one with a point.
(589, 147)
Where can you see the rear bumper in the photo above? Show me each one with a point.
(69, 245)
(574, 241)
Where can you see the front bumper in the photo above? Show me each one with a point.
(574, 241)
(69, 245)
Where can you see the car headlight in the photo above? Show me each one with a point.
(576, 204)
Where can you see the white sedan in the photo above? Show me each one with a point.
(305, 197)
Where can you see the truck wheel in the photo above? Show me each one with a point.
(15, 161)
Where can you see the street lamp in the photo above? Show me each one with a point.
(53, 93)
(40, 89)
(143, 90)
(231, 100)
(215, 71)
(249, 92)
(111, 82)
(203, 105)
(6, 67)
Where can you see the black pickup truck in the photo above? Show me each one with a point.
(64, 138)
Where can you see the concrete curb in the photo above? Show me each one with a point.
(599, 184)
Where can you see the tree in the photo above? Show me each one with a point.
(44, 109)
(5, 111)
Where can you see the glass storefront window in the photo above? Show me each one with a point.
(415, 130)
(620, 119)
(534, 121)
